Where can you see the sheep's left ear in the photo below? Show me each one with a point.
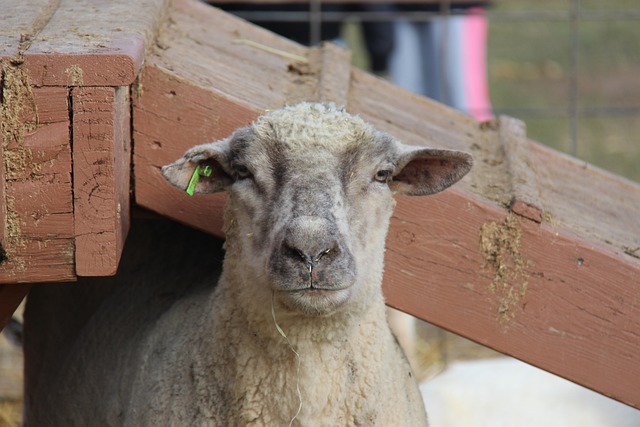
(214, 156)
(423, 171)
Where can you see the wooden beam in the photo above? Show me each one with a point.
(37, 236)
(525, 289)
(102, 154)
(61, 48)
(334, 74)
(20, 21)
(520, 256)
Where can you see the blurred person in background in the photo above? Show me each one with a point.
(445, 57)
(378, 36)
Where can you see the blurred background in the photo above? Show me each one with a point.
(571, 70)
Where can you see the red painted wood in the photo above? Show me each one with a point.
(101, 153)
(554, 301)
(38, 209)
(60, 48)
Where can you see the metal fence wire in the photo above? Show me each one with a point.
(590, 46)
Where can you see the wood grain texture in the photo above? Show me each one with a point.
(334, 78)
(525, 289)
(201, 88)
(525, 193)
(21, 21)
(556, 286)
(37, 210)
(101, 153)
(579, 198)
(65, 49)
(215, 55)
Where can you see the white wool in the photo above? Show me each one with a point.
(302, 125)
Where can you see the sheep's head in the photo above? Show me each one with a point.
(311, 191)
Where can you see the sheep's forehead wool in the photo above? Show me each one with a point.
(299, 126)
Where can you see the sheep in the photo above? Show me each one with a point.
(294, 332)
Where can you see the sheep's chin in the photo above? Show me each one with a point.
(315, 302)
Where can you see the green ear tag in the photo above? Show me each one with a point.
(199, 170)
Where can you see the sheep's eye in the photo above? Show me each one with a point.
(383, 176)
(242, 171)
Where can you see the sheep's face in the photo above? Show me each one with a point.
(310, 200)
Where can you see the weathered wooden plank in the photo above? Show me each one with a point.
(561, 191)
(101, 153)
(334, 78)
(65, 49)
(526, 289)
(221, 54)
(591, 203)
(20, 20)
(504, 167)
(36, 176)
(412, 118)
(525, 193)
(517, 285)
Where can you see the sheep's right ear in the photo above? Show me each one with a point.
(215, 155)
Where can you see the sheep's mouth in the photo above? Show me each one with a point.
(314, 288)
(312, 300)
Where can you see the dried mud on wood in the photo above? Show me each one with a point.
(304, 78)
(34, 179)
(500, 248)
(18, 114)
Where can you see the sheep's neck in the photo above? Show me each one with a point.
(333, 367)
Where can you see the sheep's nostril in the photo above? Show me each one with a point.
(322, 254)
(308, 258)
(297, 254)
(303, 256)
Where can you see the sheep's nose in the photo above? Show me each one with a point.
(311, 240)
